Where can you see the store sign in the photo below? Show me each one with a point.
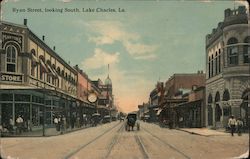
(12, 37)
(11, 77)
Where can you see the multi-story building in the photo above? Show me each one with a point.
(35, 81)
(227, 67)
(84, 89)
(192, 112)
(175, 87)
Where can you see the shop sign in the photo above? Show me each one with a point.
(12, 37)
(11, 77)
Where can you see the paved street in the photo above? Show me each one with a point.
(112, 141)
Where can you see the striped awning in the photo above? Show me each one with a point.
(43, 66)
(51, 71)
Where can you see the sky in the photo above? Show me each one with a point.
(148, 42)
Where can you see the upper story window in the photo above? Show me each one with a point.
(11, 58)
(232, 51)
(246, 50)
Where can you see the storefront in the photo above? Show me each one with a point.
(34, 106)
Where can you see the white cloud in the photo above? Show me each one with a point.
(108, 32)
(146, 57)
(11, 0)
(65, 1)
(139, 49)
(100, 59)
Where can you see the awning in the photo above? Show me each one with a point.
(43, 66)
(51, 71)
(34, 59)
(158, 112)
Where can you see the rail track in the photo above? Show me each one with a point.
(167, 144)
(81, 147)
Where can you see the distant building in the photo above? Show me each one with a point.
(192, 112)
(176, 91)
(227, 67)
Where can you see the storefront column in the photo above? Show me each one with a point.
(1, 114)
(213, 119)
(31, 108)
(13, 108)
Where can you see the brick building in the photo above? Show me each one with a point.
(175, 87)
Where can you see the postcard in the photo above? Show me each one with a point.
(127, 79)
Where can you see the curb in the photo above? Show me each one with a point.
(194, 133)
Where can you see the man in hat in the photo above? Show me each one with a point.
(232, 123)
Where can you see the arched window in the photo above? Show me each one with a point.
(212, 66)
(216, 63)
(217, 97)
(232, 51)
(246, 50)
(219, 61)
(226, 95)
(11, 58)
(209, 67)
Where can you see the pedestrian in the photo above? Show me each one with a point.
(11, 125)
(232, 124)
(19, 122)
(239, 124)
(56, 122)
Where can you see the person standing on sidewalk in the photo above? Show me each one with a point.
(239, 124)
(232, 123)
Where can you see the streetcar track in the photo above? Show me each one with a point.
(114, 141)
(72, 153)
(142, 147)
(168, 144)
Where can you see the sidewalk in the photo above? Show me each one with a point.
(204, 131)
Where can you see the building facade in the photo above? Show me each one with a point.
(176, 91)
(35, 82)
(227, 67)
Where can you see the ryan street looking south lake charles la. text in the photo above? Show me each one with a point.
(67, 10)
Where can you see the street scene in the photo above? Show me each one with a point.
(130, 79)
(113, 141)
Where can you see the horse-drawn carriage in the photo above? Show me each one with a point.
(131, 122)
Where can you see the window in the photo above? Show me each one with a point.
(212, 67)
(11, 58)
(232, 51)
(209, 68)
(219, 61)
(216, 63)
(233, 55)
(246, 50)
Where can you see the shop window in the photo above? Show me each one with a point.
(22, 97)
(6, 97)
(11, 58)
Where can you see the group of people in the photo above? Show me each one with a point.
(235, 125)
(17, 126)
(61, 122)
